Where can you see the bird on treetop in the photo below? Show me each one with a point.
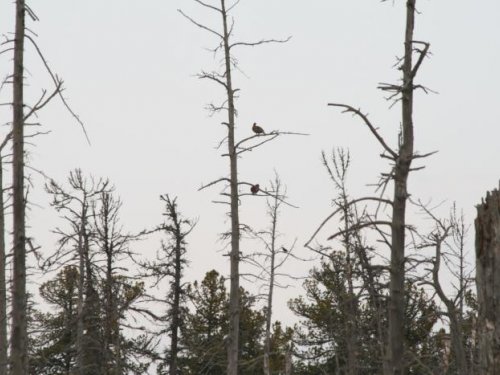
(255, 189)
(257, 129)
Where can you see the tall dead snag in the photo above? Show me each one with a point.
(235, 149)
(3, 281)
(274, 257)
(488, 283)
(273, 212)
(18, 355)
(401, 158)
(234, 291)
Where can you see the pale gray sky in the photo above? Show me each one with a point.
(129, 69)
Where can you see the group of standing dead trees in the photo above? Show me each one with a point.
(393, 232)
(472, 342)
(398, 236)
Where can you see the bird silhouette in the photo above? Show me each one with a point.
(257, 129)
(255, 189)
(284, 250)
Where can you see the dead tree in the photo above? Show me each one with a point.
(75, 204)
(18, 338)
(3, 265)
(401, 159)
(169, 264)
(357, 258)
(273, 212)
(235, 149)
(436, 240)
(113, 243)
(341, 163)
(176, 251)
(488, 288)
(19, 354)
(269, 262)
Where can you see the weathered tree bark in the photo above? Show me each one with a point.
(18, 356)
(234, 292)
(488, 283)
(396, 347)
(3, 282)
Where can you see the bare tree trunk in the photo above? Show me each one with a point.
(3, 282)
(81, 284)
(234, 298)
(269, 312)
(111, 331)
(19, 357)
(173, 368)
(396, 347)
(92, 338)
(111, 324)
(177, 291)
(352, 308)
(488, 283)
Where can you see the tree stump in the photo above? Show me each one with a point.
(488, 283)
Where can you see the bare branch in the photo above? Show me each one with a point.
(208, 6)
(212, 76)
(232, 6)
(358, 226)
(260, 42)
(420, 156)
(42, 102)
(423, 54)
(214, 182)
(273, 134)
(200, 25)
(57, 81)
(340, 209)
(374, 131)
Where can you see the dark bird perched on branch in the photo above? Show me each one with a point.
(255, 189)
(257, 129)
(284, 250)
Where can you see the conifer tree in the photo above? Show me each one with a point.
(204, 335)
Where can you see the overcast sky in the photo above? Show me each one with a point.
(129, 70)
